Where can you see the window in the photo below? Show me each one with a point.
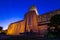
(29, 21)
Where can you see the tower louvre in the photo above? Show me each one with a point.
(33, 8)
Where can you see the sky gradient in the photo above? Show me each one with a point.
(14, 10)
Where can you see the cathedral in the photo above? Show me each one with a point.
(32, 22)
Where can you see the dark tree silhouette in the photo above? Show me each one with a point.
(55, 21)
(1, 27)
(1, 30)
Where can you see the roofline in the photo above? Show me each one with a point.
(50, 12)
(17, 22)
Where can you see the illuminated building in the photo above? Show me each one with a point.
(32, 21)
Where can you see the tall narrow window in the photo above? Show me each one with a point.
(29, 21)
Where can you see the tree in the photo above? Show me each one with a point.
(1, 31)
(55, 21)
(1, 27)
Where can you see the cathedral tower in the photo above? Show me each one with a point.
(31, 19)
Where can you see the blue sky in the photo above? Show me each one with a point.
(14, 10)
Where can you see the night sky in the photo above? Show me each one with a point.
(14, 10)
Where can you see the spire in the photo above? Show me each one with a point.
(33, 8)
